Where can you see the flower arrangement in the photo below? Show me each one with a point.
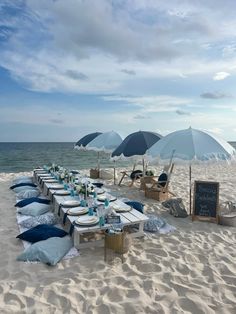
(83, 188)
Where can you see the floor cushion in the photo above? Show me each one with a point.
(28, 193)
(23, 184)
(136, 205)
(41, 232)
(34, 209)
(49, 251)
(154, 223)
(47, 219)
(30, 200)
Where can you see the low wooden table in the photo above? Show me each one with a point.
(130, 218)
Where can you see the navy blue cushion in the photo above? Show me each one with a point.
(30, 200)
(136, 174)
(136, 205)
(41, 232)
(98, 185)
(23, 184)
(162, 179)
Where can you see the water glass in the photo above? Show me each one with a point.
(72, 193)
(90, 211)
(65, 186)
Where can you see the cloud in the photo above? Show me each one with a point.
(183, 113)
(220, 76)
(152, 103)
(86, 46)
(141, 117)
(76, 75)
(215, 130)
(214, 95)
(56, 121)
(130, 72)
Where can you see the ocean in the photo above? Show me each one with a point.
(17, 157)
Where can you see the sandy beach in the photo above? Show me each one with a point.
(191, 270)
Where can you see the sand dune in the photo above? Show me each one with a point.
(191, 270)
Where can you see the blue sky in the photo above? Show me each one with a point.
(68, 68)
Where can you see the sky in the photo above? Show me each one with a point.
(69, 68)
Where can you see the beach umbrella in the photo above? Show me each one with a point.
(135, 145)
(81, 144)
(105, 142)
(191, 146)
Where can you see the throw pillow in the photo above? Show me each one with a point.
(49, 251)
(162, 179)
(23, 184)
(28, 193)
(136, 205)
(22, 179)
(154, 223)
(41, 232)
(34, 209)
(32, 200)
(46, 219)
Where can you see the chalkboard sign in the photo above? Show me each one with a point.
(206, 201)
(113, 219)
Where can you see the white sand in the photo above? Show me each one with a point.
(192, 270)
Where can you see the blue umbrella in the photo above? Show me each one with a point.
(85, 140)
(136, 144)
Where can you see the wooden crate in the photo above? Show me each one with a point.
(156, 195)
(94, 173)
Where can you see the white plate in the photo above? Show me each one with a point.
(99, 191)
(87, 220)
(121, 209)
(77, 211)
(50, 180)
(70, 203)
(56, 186)
(101, 198)
(62, 192)
(44, 175)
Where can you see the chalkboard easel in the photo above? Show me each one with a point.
(206, 201)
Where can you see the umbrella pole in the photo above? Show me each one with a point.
(143, 167)
(98, 163)
(190, 190)
(114, 173)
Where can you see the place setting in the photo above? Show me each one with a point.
(56, 187)
(86, 221)
(77, 211)
(104, 197)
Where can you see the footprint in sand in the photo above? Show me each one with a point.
(13, 300)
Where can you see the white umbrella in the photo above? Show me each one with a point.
(106, 142)
(191, 146)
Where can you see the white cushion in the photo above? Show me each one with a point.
(34, 209)
(28, 193)
(46, 219)
(22, 179)
(49, 251)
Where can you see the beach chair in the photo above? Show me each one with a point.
(159, 189)
(133, 175)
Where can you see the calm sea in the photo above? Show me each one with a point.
(16, 157)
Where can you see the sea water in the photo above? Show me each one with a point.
(16, 157)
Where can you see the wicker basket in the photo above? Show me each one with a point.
(94, 173)
(145, 180)
(156, 195)
(115, 242)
